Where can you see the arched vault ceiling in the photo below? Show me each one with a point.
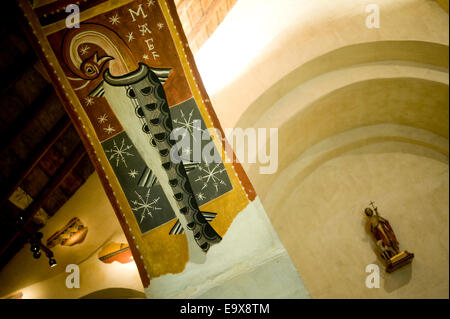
(431, 56)
(405, 138)
(412, 102)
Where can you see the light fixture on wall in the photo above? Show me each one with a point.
(51, 260)
(37, 246)
(34, 248)
(35, 239)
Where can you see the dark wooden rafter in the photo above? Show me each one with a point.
(47, 191)
(28, 58)
(17, 71)
(24, 120)
(17, 225)
(41, 149)
(54, 183)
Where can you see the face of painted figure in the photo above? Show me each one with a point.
(92, 67)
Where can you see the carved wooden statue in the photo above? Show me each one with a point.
(387, 243)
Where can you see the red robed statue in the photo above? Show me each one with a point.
(387, 243)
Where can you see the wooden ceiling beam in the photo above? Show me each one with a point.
(41, 149)
(47, 191)
(55, 182)
(17, 70)
(24, 120)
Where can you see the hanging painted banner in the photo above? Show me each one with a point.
(128, 81)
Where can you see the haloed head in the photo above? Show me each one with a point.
(92, 66)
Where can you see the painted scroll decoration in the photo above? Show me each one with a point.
(134, 80)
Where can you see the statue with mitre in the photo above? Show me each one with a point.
(386, 241)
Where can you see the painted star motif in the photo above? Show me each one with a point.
(160, 25)
(211, 177)
(89, 100)
(114, 19)
(201, 196)
(120, 153)
(130, 37)
(84, 50)
(145, 206)
(133, 173)
(145, 57)
(102, 119)
(109, 129)
(189, 124)
(150, 3)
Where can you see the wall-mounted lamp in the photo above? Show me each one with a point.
(52, 262)
(37, 246)
(35, 240)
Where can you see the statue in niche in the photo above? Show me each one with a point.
(386, 241)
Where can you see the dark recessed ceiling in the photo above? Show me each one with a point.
(42, 159)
